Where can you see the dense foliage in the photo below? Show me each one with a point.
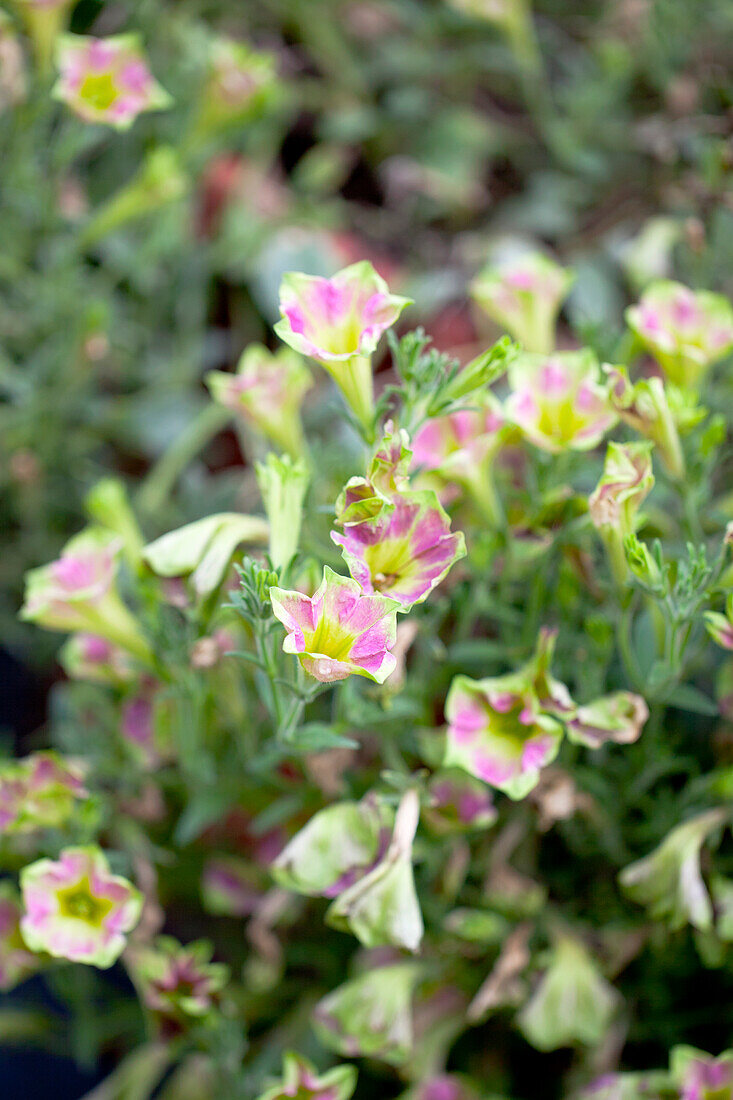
(366, 375)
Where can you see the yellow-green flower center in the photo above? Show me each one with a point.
(99, 91)
(79, 903)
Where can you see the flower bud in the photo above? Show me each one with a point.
(283, 485)
(203, 550)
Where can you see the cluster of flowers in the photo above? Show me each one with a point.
(397, 543)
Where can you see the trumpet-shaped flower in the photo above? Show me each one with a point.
(177, 983)
(339, 630)
(267, 391)
(387, 476)
(558, 401)
(572, 1003)
(241, 83)
(405, 551)
(107, 79)
(459, 803)
(524, 296)
(686, 331)
(460, 448)
(336, 848)
(505, 729)
(38, 792)
(301, 1080)
(668, 882)
(338, 322)
(619, 717)
(613, 505)
(283, 485)
(16, 962)
(75, 909)
(381, 908)
(89, 657)
(371, 1015)
(77, 593)
(646, 408)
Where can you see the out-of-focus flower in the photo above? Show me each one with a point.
(16, 962)
(283, 485)
(443, 1087)
(107, 79)
(75, 909)
(459, 803)
(176, 983)
(699, 1076)
(339, 630)
(619, 717)
(524, 296)
(720, 627)
(338, 322)
(108, 505)
(686, 331)
(44, 21)
(301, 1079)
(203, 550)
(138, 728)
(626, 481)
(645, 406)
(39, 792)
(668, 882)
(371, 1015)
(558, 401)
(505, 729)
(267, 391)
(405, 551)
(89, 657)
(231, 887)
(336, 848)
(13, 78)
(77, 593)
(460, 449)
(381, 908)
(572, 1003)
(242, 83)
(160, 180)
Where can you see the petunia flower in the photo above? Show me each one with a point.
(669, 882)
(459, 449)
(370, 1016)
(177, 984)
(698, 1076)
(202, 551)
(338, 322)
(241, 84)
(89, 657)
(339, 630)
(442, 1087)
(626, 481)
(524, 296)
(388, 475)
(301, 1079)
(267, 391)
(75, 909)
(77, 593)
(558, 401)
(40, 791)
(505, 729)
(459, 803)
(405, 551)
(16, 962)
(107, 79)
(381, 907)
(686, 331)
(572, 1003)
(645, 407)
(618, 717)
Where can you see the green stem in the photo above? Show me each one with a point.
(161, 479)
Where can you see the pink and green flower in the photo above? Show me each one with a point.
(405, 551)
(720, 626)
(302, 1081)
(686, 331)
(267, 392)
(338, 322)
(107, 79)
(241, 84)
(363, 498)
(505, 729)
(40, 791)
(177, 984)
(370, 1016)
(613, 505)
(77, 593)
(645, 407)
(524, 296)
(558, 401)
(339, 630)
(698, 1076)
(75, 909)
(16, 962)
